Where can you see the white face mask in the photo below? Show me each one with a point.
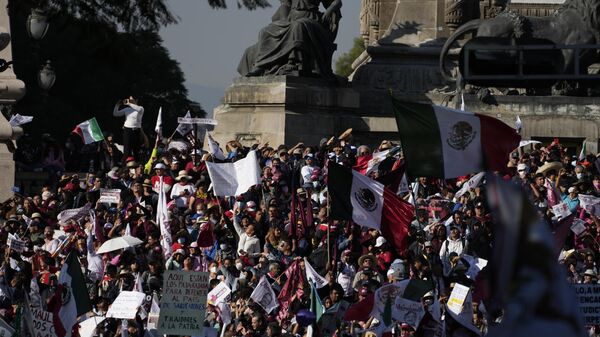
(579, 175)
(213, 269)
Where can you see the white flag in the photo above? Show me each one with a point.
(17, 120)
(214, 149)
(162, 218)
(158, 126)
(231, 179)
(373, 164)
(518, 124)
(264, 295)
(184, 129)
(314, 277)
(470, 184)
(218, 294)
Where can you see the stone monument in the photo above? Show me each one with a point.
(288, 92)
(11, 90)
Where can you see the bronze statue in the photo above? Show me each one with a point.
(298, 41)
(575, 22)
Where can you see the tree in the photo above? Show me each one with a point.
(128, 15)
(96, 65)
(343, 65)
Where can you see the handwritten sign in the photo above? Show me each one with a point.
(588, 297)
(183, 304)
(126, 305)
(110, 196)
(43, 325)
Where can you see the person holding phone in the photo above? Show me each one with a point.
(132, 126)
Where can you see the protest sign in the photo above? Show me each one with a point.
(439, 208)
(218, 294)
(15, 243)
(43, 325)
(476, 264)
(588, 297)
(183, 304)
(126, 305)
(578, 226)
(561, 210)
(457, 298)
(110, 196)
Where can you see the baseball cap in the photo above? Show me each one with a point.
(380, 241)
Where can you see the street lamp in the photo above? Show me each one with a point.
(37, 24)
(46, 76)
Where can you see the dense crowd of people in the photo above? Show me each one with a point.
(273, 230)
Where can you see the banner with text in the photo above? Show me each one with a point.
(588, 297)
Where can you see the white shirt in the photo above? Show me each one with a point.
(133, 115)
(182, 201)
(306, 172)
(50, 246)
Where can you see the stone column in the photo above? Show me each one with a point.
(11, 90)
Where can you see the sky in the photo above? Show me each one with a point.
(209, 43)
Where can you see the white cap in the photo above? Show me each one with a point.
(521, 166)
(571, 189)
(380, 241)
(160, 166)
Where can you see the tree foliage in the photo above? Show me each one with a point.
(249, 4)
(343, 65)
(95, 66)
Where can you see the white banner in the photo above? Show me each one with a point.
(314, 277)
(264, 295)
(470, 184)
(231, 179)
(163, 221)
(73, 214)
(214, 149)
(588, 202)
(126, 305)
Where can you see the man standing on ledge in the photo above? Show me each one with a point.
(131, 128)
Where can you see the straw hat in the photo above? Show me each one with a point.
(183, 175)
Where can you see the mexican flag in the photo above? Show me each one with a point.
(447, 143)
(368, 203)
(89, 131)
(71, 299)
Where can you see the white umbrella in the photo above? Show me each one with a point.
(119, 243)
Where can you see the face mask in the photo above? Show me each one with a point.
(522, 174)
(239, 266)
(213, 269)
(579, 175)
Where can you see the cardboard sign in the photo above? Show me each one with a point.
(561, 210)
(126, 305)
(457, 298)
(407, 311)
(110, 196)
(578, 226)
(43, 325)
(183, 304)
(588, 297)
(15, 243)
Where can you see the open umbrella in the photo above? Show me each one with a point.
(119, 243)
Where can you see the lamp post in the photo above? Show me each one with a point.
(37, 24)
(46, 76)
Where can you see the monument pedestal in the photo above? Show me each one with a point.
(284, 110)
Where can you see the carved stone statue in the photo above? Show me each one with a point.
(299, 41)
(575, 22)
